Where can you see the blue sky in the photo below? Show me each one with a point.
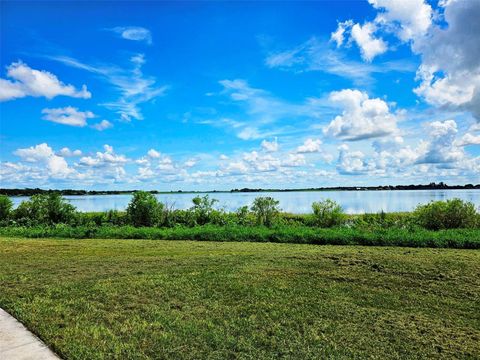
(217, 95)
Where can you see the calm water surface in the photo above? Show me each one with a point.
(353, 202)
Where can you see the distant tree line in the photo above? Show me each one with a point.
(431, 186)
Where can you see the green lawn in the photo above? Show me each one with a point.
(133, 299)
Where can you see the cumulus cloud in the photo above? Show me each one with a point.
(104, 159)
(310, 146)
(43, 154)
(441, 147)
(351, 162)
(450, 69)
(67, 116)
(270, 146)
(361, 118)
(154, 154)
(408, 19)
(135, 33)
(469, 139)
(102, 125)
(66, 152)
(369, 45)
(26, 81)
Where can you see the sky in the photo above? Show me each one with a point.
(222, 95)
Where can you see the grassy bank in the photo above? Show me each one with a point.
(454, 238)
(96, 299)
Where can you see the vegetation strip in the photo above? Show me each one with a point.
(441, 224)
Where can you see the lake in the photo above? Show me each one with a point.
(353, 202)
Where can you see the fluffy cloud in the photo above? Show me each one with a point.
(102, 125)
(104, 159)
(154, 154)
(26, 81)
(351, 162)
(67, 116)
(469, 139)
(339, 35)
(310, 146)
(270, 146)
(135, 33)
(43, 154)
(369, 45)
(441, 147)
(361, 118)
(66, 152)
(450, 69)
(409, 19)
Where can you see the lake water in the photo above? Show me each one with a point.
(353, 202)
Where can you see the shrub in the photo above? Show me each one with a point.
(47, 210)
(144, 209)
(450, 214)
(6, 206)
(203, 209)
(242, 215)
(327, 213)
(265, 209)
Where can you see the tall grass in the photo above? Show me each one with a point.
(454, 238)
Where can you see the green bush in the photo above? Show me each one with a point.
(46, 209)
(265, 209)
(328, 213)
(144, 209)
(6, 206)
(203, 209)
(450, 214)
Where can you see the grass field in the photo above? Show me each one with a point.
(133, 299)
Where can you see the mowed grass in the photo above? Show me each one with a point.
(134, 299)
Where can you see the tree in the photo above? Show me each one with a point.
(46, 209)
(144, 209)
(6, 206)
(203, 208)
(265, 209)
(450, 214)
(327, 213)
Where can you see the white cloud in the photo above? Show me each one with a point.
(369, 45)
(294, 160)
(43, 154)
(67, 116)
(134, 87)
(315, 55)
(450, 69)
(66, 152)
(102, 125)
(351, 162)
(270, 146)
(249, 133)
(339, 35)
(469, 139)
(135, 33)
(37, 83)
(108, 158)
(154, 154)
(361, 118)
(441, 147)
(310, 146)
(410, 18)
